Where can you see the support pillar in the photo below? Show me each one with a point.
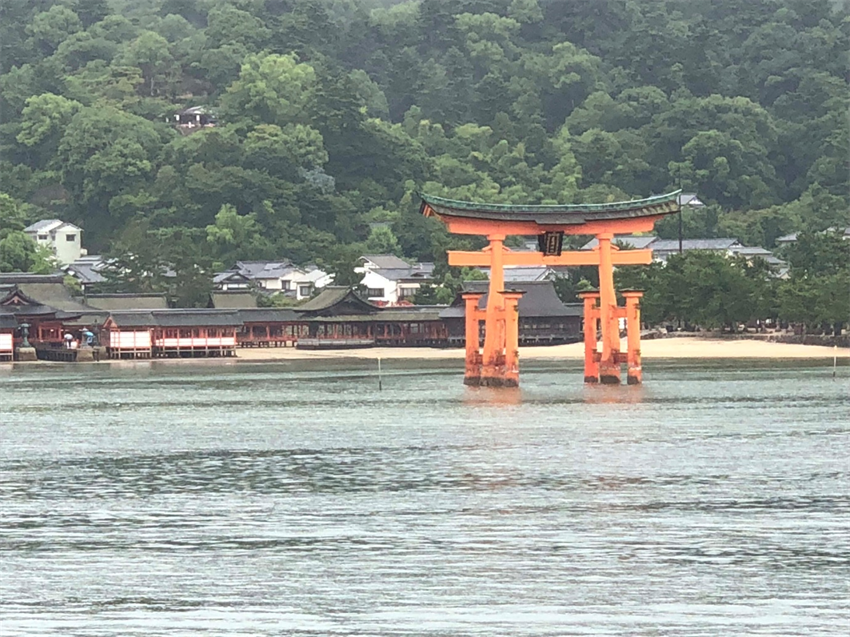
(494, 336)
(635, 373)
(609, 366)
(511, 369)
(472, 375)
(591, 325)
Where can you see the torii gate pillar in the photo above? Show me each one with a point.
(498, 365)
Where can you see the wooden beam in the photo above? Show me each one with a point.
(575, 258)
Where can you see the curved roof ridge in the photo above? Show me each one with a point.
(671, 197)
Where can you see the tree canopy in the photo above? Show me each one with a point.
(331, 114)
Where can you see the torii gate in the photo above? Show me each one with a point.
(498, 364)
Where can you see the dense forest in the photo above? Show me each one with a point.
(332, 114)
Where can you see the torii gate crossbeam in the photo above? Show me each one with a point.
(498, 364)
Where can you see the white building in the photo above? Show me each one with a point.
(390, 280)
(273, 277)
(63, 239)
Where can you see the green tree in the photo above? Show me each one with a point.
(271, 89)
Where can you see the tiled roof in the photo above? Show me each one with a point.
(177, 318)
(264, 269)
(672, 245)
(191, 318)
(404, 274)
(386, 261)
(133, 319)
(127, 301)
(637, 242)
(236, 300)
(539, 300)
(47, 289)
(229, 275)
(45, 225)
(566, 214)
(269, 315)
(334, 295)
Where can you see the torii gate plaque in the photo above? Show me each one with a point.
(498, 364)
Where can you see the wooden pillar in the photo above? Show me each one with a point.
(472, 375)
(635, 373)
(494, 337)
(609, 366)
(511, 372)
(591, 325)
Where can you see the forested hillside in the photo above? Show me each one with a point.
(332, 114)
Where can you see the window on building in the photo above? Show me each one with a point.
(374, 292)
(42, 237)
(305, 290)
(70, 237)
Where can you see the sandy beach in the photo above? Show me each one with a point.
(670, 348)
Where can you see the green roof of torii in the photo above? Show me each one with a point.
(568, 214)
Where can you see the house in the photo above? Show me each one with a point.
(88, 270)
(543, 317)
(751, 254)
(309, 280)
(628, 241)
(231, 280)
(64, 239)
(663, 248)
(390, 280)
(792, 238)
(193, 118)
(272, 277)
(519, 273)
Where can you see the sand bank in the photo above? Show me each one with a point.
(683, 348)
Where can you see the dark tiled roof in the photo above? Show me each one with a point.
(335, 295)
(638, 242)
(133, 319)
(269, 315)
(47, 289)
(539, 300)
(233, 300)
(14, 278)
(87, 269)
(672, 245)
(404, 274)
(127, 301)
(7, 321)
(568, 214)
(386, 261)
(411, 313)
(177, 318)
(200, 318)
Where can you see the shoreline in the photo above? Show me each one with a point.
(678, 348)
(673, 348)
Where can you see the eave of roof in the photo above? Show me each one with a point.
(562, 214)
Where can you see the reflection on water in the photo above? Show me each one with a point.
(298, 499)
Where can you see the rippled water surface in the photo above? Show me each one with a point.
(299, 500)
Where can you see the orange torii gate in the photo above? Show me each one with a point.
(498, 364)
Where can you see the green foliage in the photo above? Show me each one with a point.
(329, 111)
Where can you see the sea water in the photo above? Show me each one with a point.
(298, 499)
